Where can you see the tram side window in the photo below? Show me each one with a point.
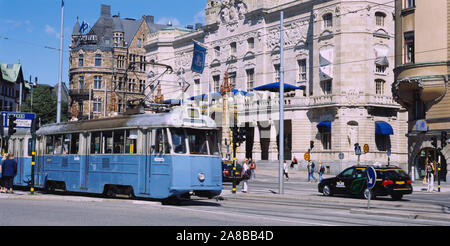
(179, 141)
(66, 143)
(130, 147)
(161, 142)
(58, 145)
(74, 143)
(107, 142)
(49, 147)
(197, 142)
(213, 142)
(118, 142)
(95, 142)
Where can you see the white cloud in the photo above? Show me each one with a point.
(51, 30)
(200, 17)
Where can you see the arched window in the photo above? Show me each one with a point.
(328, 20)
(379, 86)
(379, 18)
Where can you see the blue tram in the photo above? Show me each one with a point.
(20, 145)
(163, 155)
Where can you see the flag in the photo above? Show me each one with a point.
(198, 59)
(62, 4)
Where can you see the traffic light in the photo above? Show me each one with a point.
(34, 126)
(12, 125)
(443, 139)
(242, 134)
(311, 144)
(434, 142)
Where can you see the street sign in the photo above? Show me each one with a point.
(388, 153)
(371, 177)
(366, 148)
(23, 119)
(358, 150)
(341, 156)
(307, 156)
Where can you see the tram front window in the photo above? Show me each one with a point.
(213, 142)
(197, 141)
(179, 141)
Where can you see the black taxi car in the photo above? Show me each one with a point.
(391, 180)
(227, 172)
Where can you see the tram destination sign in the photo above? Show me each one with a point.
(23, 119)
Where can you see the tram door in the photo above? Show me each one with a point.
(160, 161)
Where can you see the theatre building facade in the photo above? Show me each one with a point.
(339, 55)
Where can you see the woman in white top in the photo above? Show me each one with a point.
(245, 167)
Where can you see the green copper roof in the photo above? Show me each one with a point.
(10, 72)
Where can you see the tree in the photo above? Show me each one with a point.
(44, 105)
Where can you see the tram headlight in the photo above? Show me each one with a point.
(201, 177)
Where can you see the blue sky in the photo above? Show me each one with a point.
(27, 27)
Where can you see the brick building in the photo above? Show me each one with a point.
(107, 64)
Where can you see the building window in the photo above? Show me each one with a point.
(325, 137)
(232, 79)
(217, 51)
(197, 87)
(380, 69)
(302, 70)
(409, 3)
(80, 60)
(233, 47)
(327, 87)
(277, 72)
(216, 80)
(383, 142)
(98, 60)
(97, 105)
(250, 78)
(97, 82)
(409, 47)
(141, 85)
(81, 82)
(379, 86)
(379, 18)
(328, 20)
(251, 43)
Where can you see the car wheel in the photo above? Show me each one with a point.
(327, 191)
(366, 194)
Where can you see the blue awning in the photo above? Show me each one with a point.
(383, 128)
(324, 125)
(275, 87)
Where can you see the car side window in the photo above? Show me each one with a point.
(347, 172)
(360, 173)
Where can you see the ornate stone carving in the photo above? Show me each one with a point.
(231, 12)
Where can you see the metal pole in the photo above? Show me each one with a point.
(439, 170)
(281, 134)
(58, 113)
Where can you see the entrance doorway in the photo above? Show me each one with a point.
(422, 158)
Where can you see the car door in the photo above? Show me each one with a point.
(344, 179)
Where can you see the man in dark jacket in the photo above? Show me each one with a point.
(9, 171)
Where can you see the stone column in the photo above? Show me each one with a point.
(273, 149)
(256, 151)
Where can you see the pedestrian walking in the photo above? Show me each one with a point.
(286, 170)
(429, 171)
(310, 168)
(252, 164)
(321, 171)
(246, 174)
(2, 186)
(9, 171)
